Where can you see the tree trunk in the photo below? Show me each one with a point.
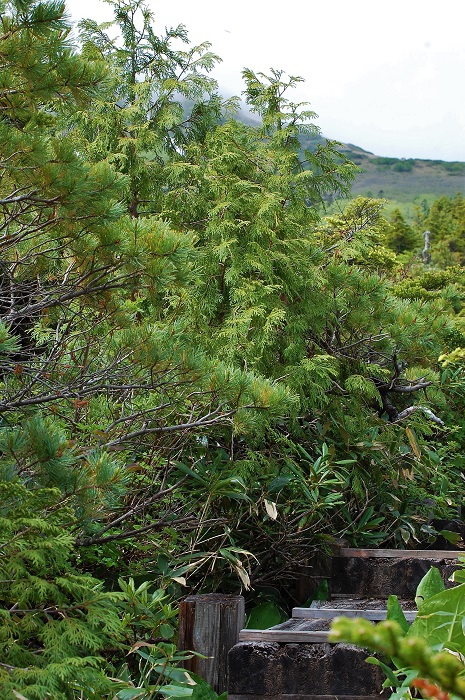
(426, 252)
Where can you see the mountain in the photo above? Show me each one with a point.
(402, 180)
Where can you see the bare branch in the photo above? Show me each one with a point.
(160, 494)
(411, 409)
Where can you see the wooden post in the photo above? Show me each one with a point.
(210, 624)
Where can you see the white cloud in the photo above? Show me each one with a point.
(386, 76)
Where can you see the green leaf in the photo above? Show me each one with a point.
(452, 537)
(131, 693)
(458, 576)
(166, 631)
(203, 690)
(176, 691)
(279, 483)
(430, 585)
(190, 472)
(440, 618)
(393, 681)
(265, 615)
(395, 612)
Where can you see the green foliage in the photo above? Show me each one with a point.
(431, 584)
(404, 166)
(454, 168)
(252, 216)
(265, 615)
(446, 222)
(399, 165)
(157, 674)
(401, 237)
(203, 378)
(56, 621)
(385, 161)
(139, 122)
(202, 691)
(395, 612)
(147, 614)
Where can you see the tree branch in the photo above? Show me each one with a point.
(97, 537)
(411, 409)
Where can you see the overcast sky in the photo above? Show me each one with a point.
(386, 76)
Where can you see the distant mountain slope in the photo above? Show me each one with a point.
(399, 179)
(405, 179)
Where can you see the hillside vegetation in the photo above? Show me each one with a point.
(405, 182)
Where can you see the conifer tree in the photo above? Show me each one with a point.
(401, 237)
(56, 622)
(158, 98)
(92, 334)
(446, 223)
(252, 203)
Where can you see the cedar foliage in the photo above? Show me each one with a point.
(55, 620)
(203, 377)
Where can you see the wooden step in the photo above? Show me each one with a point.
(295, 661)
(434, 554)
(300, 696)
(298, 664)
(377, 573)
(311, 625)
(328, 613)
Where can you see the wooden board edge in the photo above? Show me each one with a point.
(330, 613)
(351, 552)
(286, 696)
(284, 636)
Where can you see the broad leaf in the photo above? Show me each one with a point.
(264, 615)
(271, 509)
(176, 691)
(430, 585)
(395, 612)
(440, 619)
(393, 681)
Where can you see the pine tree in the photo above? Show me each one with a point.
(91, 296)
(401, 237)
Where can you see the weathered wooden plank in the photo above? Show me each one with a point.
(210, 625)
(290, 696)
(329, 613)
(346, 596)
(284, 636)
(401, 553)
